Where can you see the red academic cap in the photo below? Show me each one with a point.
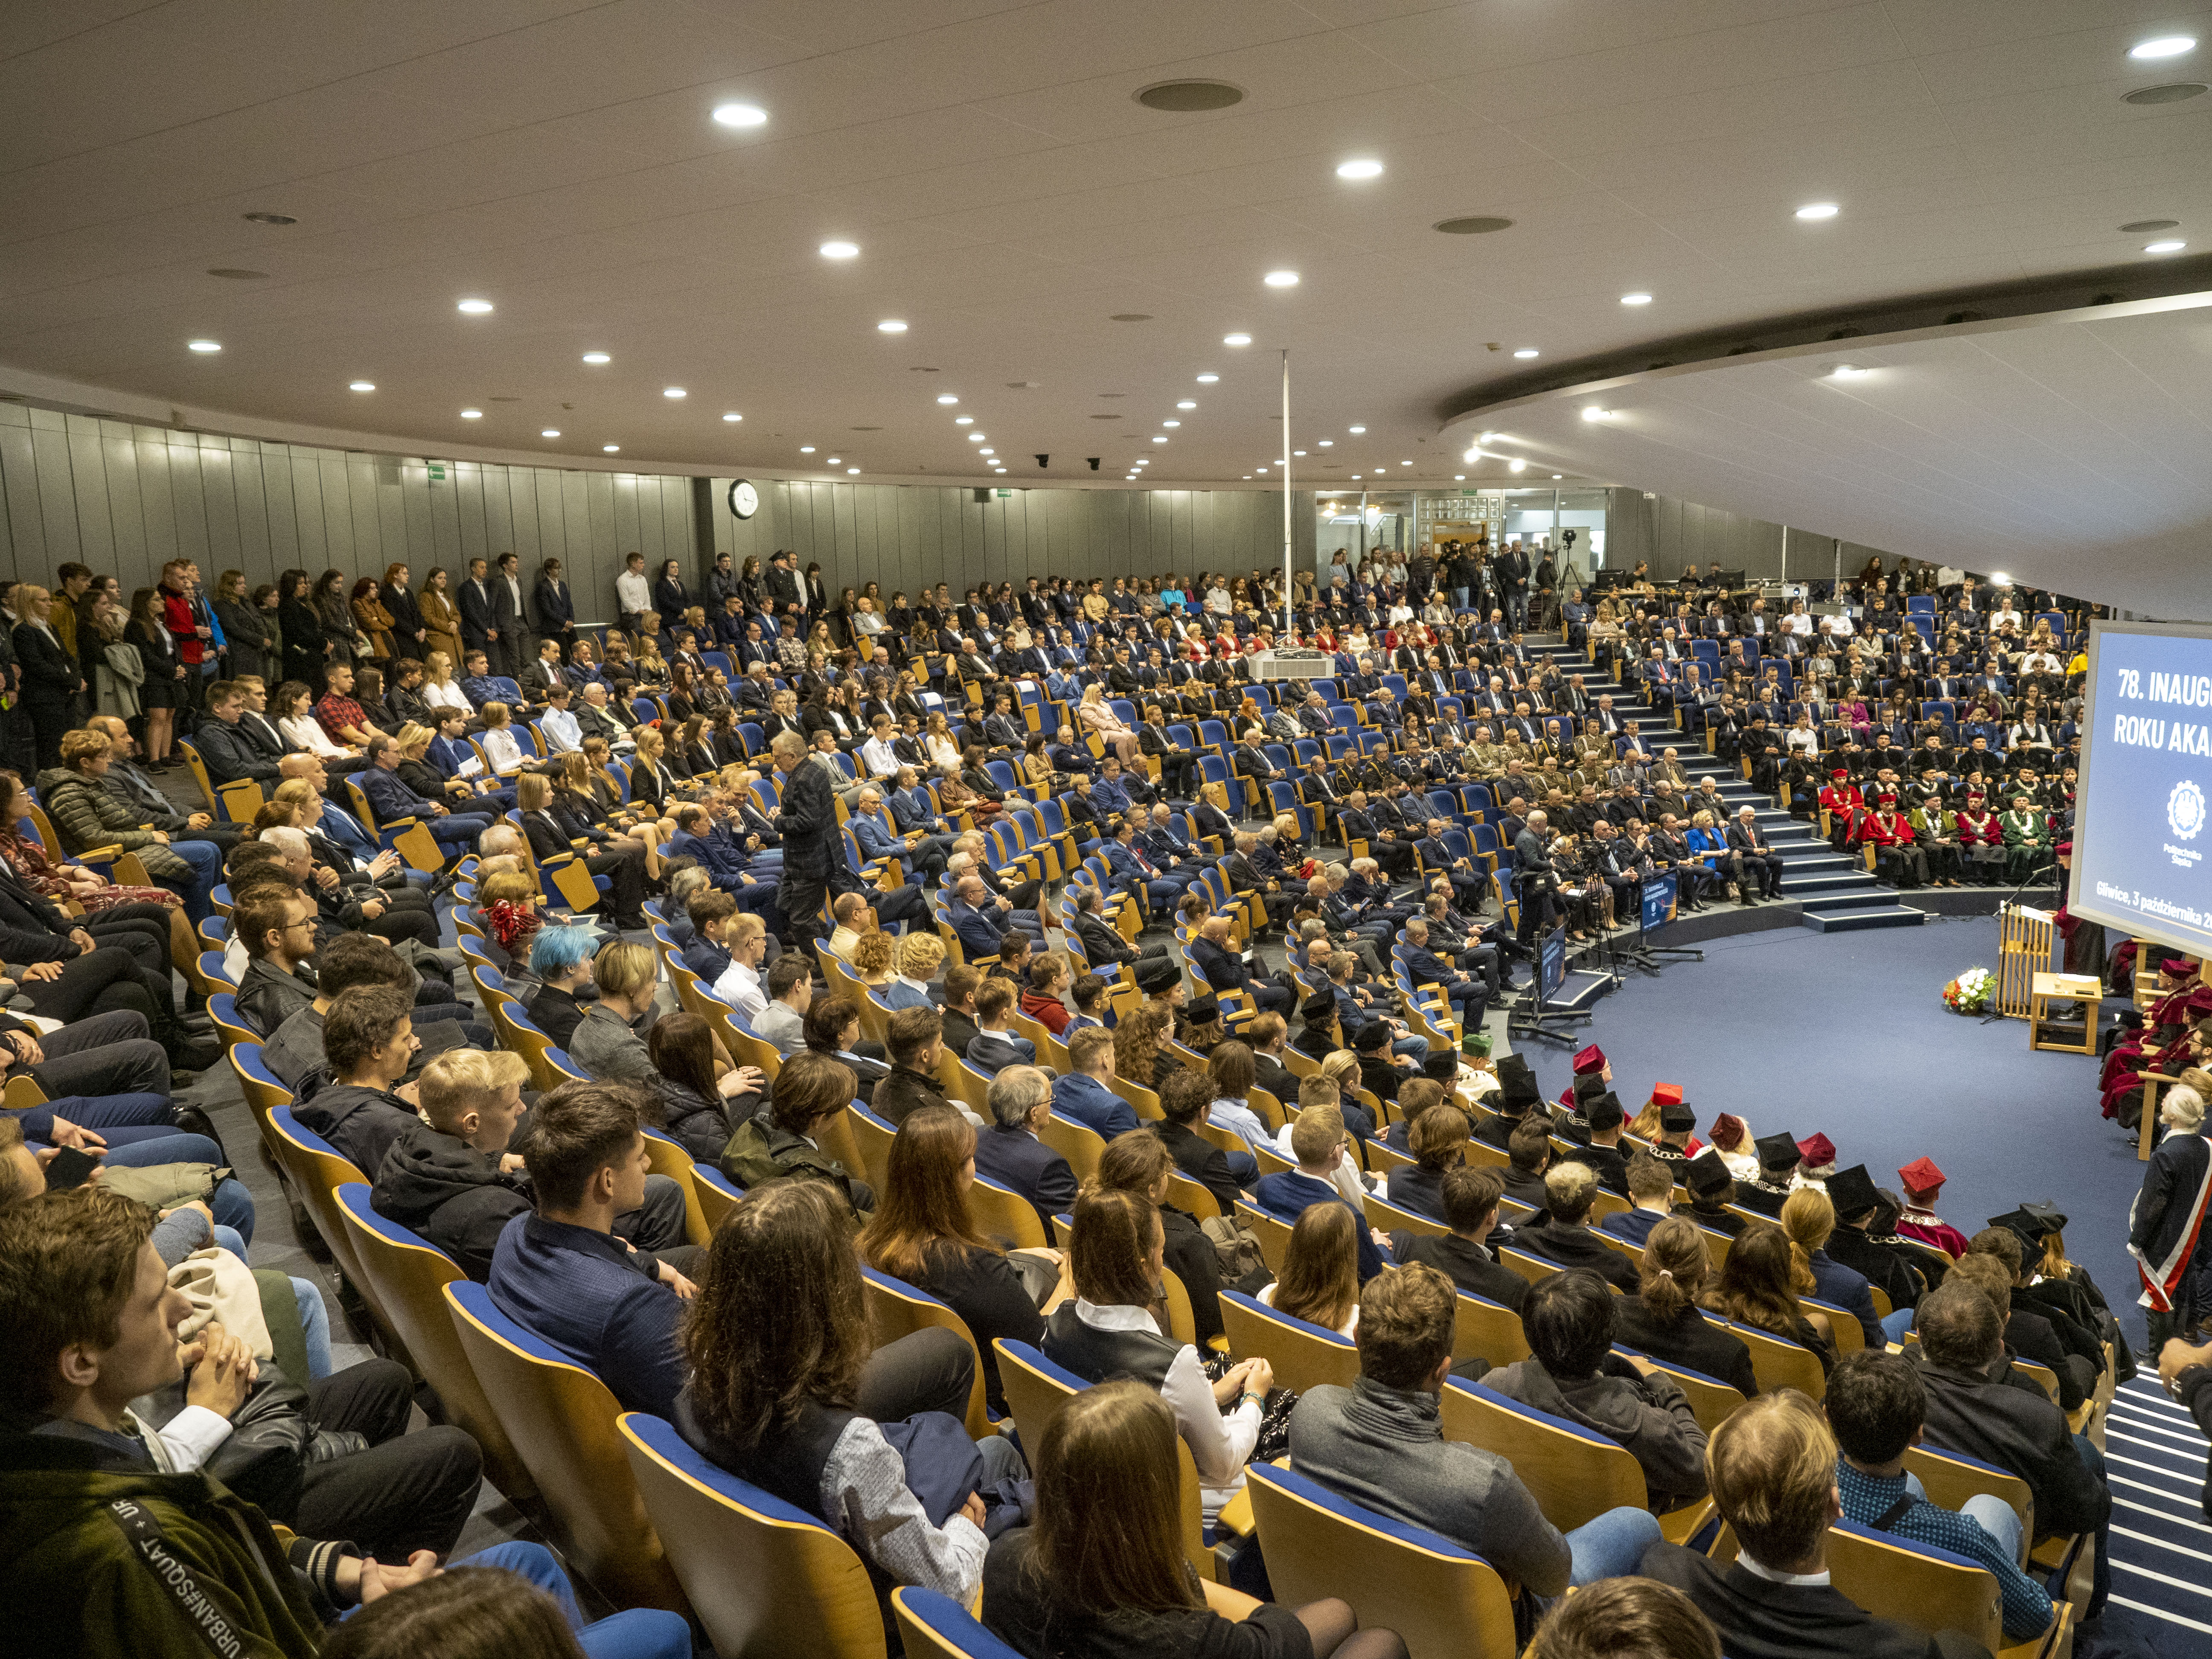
(2199, 999)
(1840, 772)
(1729, 1131)
(1591, 1059)
(1921, 1177)
(2064, 849)
(1886, 799)
(1667, 1093)
(1818, 1150)
(2173, 967)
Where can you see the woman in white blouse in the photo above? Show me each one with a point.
(944, 749)
(497, 739)
(297, 721)
(1116, 1253)
(440, 689)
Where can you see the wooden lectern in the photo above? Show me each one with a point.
(2023, 951)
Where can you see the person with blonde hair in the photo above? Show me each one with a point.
(919, 957)
(871, 957)
(1660, 1318)
(609, 1043)
(1808, 1216)
(450, 1176)
(1321, 1147)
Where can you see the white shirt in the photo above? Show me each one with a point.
(501, 748)
(1219, 1444)
(880, 758)
(307, 733)
(448, 695)
(740, 986)
(633, 592)
(562, 734)
(1773, 1578)
(185, 1442)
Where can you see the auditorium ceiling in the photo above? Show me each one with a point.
(1068, 261)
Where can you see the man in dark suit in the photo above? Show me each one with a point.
(1470, 1206)
(786, 594)
(556, 607)
(475, 604)
(1773, 1464)
(1243, 876)
(1469, 993)
(1009, 1152)
(1225, 970)
(1534, 881)
(811, 844)
(1356, 822)
(228, 752)
(1759, 859)
(510, 617)
(1184, 1098)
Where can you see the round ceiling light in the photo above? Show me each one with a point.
(674, 392)
(836, 461)
(1593, 413)
(472, 414)
(1635, 299)
(852, 471)
(2144, 227)
(1818, 210)
(2173, 92)
(235, 274)
(1478, 224)
(1360, 170)
(2165, 45)
(890, 325)
(2172, 245)
(977, 437)
(840, 250)
(1526, 352)
(1159, 440)
(1355, 430)
(1850, 372)
(550, 432)
(1208, 379)
(1236, 339)
(733, 416)
(361, 386)
(806, 449)
(1328, 443)
(963, 420)
(1170, 422)
(612, 449)
(740, 115)
(1188, 403)
(473, 307)
(1281, 279)
(597, 357)
(1189, 97)
(1517, 466)
(203, 347)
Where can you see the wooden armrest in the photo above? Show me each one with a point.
(1236, 1517)
(107, 853)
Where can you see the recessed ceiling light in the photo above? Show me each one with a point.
(839, 250)
(550, 432)
(986, 450)
(1459, 478)
(2165, 45)
(836, 461)
(472, 414)
(1281, 279)
(1000, 470)
(1593, 413)
(806, 449)
(674, 392)
(1517, 466)
(733, 416)
(975, 437)
(1849, 372)
(1404, 464)
(853, 472)
(1485, 437)
(1328, 443)
(1298, 451)
(361, 386)
(2170, 246)
(1360, 170)
(1355, 429)
(597, 357)
(890, 325)
(1236, 339)
(1187, 403)
(740, 115)
(1356, 475)
(1558, 476)
(1170, 422)
(1159, 440)
(1526, 351)
(1207, 379)
(474, 308)
(1818, 210)
(612, 449)
(963, 420)
(1635, 299)
(946, 397)
(203, 347)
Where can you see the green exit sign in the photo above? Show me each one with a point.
(1005, 495)
(437, 470)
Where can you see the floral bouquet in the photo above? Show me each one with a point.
(1971, 993)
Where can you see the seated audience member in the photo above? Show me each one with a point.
(698, 1090)
(920, 957)
(1662, 1320)
(1572, 1373)
(1438, 1143)
(1101, 1572)
(1759, 1285)
(1863, 1242)
(1712, 1194)
(1233, 1067)
(1083, 1092)
(1625, 1619)
(509, 1599)
(913, 1038)
(450, 1176)
(782, 1022)
(1875, 1405)
(1183, 1100)
(1320, 1281)
(996, 1045)
(295, 1053)
(784, 1392)
(1773, 1467)
(89, 1309)
(1379, 1443)
(1810, 1219)
(1321, 1147)
(608, 1044)
(1651, 1189)
(1041, 1001)
(1565, 1235)
(957, 1010)
(1470, 1210)
(1139, 1163)
(784, 1139)
(563, 1274)
(563, 961)
(1009, 1152)
(833, 1028)
(1116, 1256)
(1603, 1115)
(368, 1042)
(1977, 1404)
(2031, 1329)
(1528, 1161)
(920, 1234)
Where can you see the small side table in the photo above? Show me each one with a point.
(2085, 988)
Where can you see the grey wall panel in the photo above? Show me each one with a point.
(19, 482)
(281, 505)
(157, 500)
(218, 500)
(310, 541)
(187, 507)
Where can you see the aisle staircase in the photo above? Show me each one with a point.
(2161, 1546)
(1833, 890)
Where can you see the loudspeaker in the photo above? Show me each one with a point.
(1044, 460)
(1093, 459)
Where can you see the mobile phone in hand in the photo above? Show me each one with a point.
(70, 1167)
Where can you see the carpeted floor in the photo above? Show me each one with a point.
(1847, 1034)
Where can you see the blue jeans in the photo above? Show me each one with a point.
(458, 831)
(1895, 1325)
(232, 1204)
(1611, 1546)
(638, 1633)
(206, 860)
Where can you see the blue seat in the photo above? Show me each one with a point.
(932, 1624)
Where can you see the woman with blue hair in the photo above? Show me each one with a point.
(561, 958)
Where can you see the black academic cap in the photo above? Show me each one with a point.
(1516, 1083)
(1777, 1152)
(1677, 1114)
(2048, 1213)
(1605, 1112)
(1853, 1191)
(1157, 974)
(2030, 1226)
(1372, 1037)
(1318, 1007)
(1708, 1172)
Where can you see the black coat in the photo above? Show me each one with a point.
(477, 616)
(1759, 1619)
(306, 643)
(406, 619)
(51, 674)
(1692, 1341)
(455, 1196)
(810, 822)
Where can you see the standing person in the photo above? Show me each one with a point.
(670, 597)
(162, 690)
(51, 680)
(245, 625)
(811, 840)
(556, 608)
(410, 633)
(371, 618)
(510, 618)
(190, 628)
(633, 594)
(1101, 1572)
(307, 645)
(2166, 1224)
(442, 623)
